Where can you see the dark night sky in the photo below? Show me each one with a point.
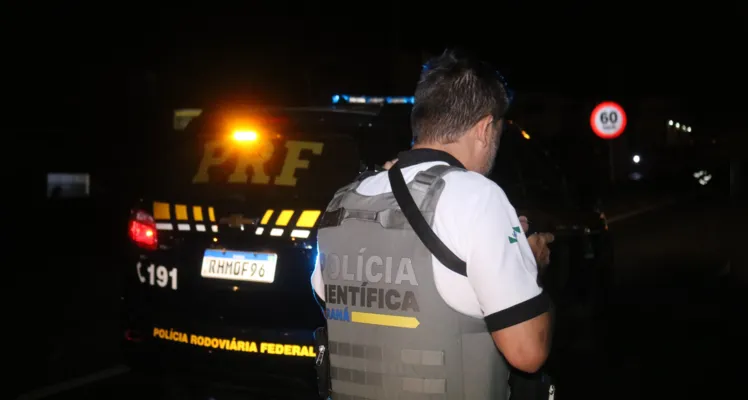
(74, 55)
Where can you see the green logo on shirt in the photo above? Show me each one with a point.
(515, 232)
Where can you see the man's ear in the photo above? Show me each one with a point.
(483, 130)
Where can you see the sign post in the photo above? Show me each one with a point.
(608, 120)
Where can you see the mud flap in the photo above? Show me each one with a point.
(322, 363)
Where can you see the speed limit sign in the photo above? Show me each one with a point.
(608, 120)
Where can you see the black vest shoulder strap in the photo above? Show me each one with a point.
(420, 225)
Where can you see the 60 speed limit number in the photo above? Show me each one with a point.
(608, 120)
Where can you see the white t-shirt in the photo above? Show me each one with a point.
(475, 220)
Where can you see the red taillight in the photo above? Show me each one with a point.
(142, 230)
(132, 335)
(605, 220)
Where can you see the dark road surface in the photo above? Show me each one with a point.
(663, 335)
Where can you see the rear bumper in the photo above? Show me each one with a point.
(217, 371)
(229, 345)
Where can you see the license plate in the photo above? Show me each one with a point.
(239, 266)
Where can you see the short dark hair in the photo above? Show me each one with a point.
(454, 92)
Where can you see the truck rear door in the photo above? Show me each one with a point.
(224, 238)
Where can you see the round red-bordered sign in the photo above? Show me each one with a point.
(608, 120)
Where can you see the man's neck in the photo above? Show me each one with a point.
(451, 149)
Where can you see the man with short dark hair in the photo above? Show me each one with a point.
(425, 272)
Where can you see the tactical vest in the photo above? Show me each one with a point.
(391, 335)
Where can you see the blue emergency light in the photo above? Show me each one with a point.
(346, 98)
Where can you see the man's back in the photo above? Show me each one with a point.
(466, 203)
(385, 292)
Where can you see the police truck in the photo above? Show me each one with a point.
(222, 241)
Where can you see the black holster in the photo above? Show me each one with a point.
(322, 363)
(537, 386)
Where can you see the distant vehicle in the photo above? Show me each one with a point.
(223, 241)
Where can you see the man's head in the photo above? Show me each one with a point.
(459, 106)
